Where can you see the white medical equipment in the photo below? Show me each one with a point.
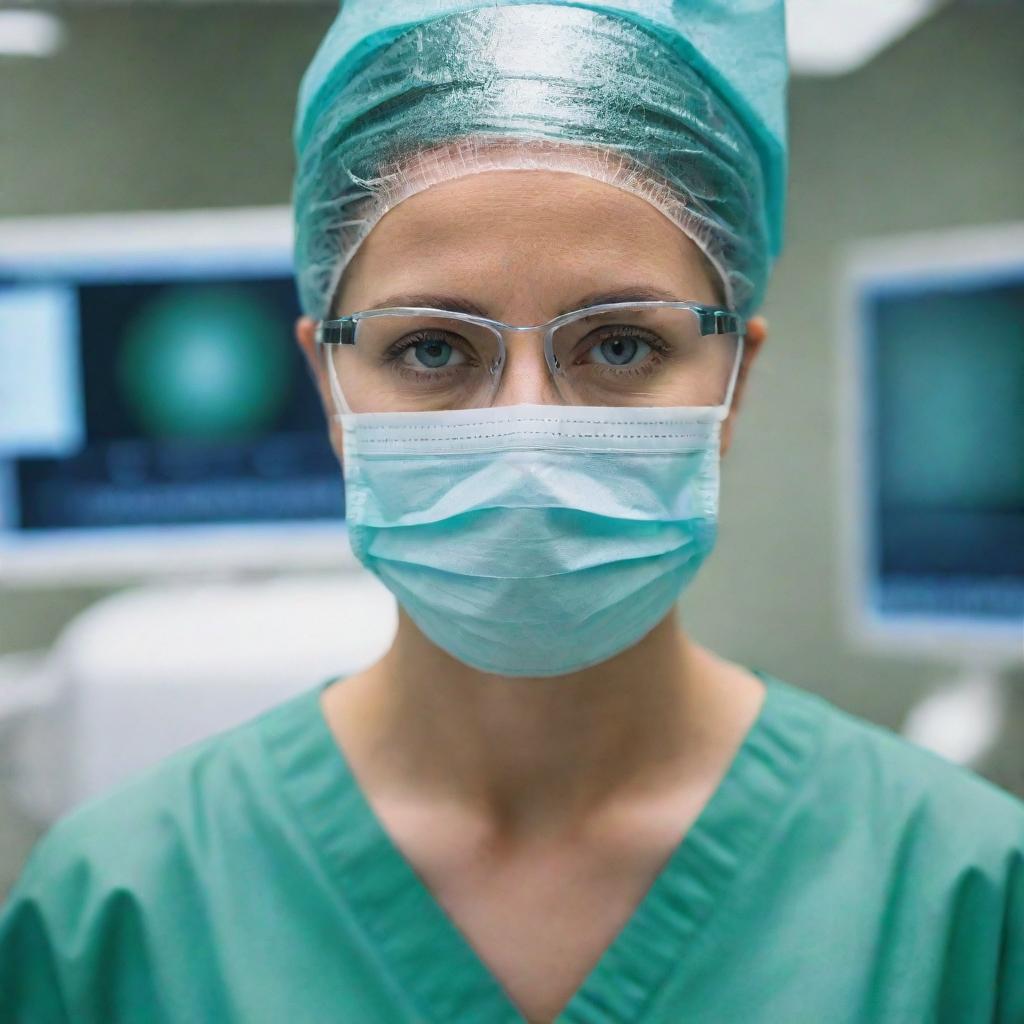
(148, 671)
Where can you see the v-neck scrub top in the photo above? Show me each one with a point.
(838, 874)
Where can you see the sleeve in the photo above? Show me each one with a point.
(71, 948)
(78, 942)
(30, 984)
(1010, 997)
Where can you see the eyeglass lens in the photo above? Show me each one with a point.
(654, 356)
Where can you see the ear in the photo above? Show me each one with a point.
(305, 335)
(754, 339)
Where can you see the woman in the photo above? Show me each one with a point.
(545, 801)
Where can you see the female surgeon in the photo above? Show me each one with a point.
(530, 242)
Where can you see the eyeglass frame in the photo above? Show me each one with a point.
(712, 320)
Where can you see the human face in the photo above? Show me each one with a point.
(522, 246)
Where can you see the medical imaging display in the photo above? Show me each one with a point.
(945, 370)
(193, 406)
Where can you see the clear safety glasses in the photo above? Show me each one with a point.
(617, 354)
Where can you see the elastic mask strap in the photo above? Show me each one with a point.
(336, 392)
(726, 406)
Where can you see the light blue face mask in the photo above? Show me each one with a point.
(534, 540)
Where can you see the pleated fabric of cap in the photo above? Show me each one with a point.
(683, 104)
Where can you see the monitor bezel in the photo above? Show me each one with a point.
(869, 265)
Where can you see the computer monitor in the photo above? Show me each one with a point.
(156, 415)
(933, 438)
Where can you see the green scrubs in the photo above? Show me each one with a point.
(838, 875)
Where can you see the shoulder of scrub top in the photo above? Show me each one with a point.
(167, 817)
(911, 795)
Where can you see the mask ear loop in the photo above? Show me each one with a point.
(332, 376)
(722, 411)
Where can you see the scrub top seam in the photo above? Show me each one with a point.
(720, 916)
(694, 873)
(270, 740)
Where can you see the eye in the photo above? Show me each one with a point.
(618, 350)
(431, 353)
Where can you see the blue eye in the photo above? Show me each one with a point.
(620, 350)
(431, 354)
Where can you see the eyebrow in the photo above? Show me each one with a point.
(459, 304)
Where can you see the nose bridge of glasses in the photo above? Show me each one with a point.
(517, 352)
(540, 329)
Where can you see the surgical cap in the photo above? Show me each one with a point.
(680, 103)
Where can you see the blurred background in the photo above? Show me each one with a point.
(172, 547)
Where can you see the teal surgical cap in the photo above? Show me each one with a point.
(682, 103)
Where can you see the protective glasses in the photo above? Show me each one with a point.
(619, 354)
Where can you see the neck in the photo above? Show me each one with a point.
(538, 756)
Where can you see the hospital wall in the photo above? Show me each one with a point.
(160, 107)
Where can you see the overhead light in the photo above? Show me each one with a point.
(29, 33)
(833, 37)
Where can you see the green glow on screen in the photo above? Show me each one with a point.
(952, 401)
(204, 363)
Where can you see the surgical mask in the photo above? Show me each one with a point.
(534, 540)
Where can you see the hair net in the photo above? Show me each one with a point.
(680, 103)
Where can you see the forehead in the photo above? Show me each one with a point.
(514, 233)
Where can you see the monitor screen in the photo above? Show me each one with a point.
(943, 446)
(148, 395)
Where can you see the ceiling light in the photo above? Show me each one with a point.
(29, 33)
(833, 37)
